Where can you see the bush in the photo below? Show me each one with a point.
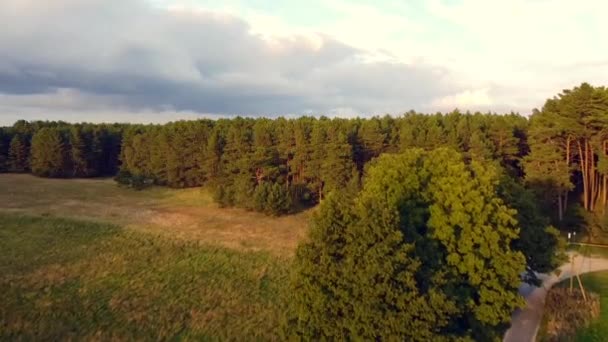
(130, 180)
(272, 199)
(566, 311)
(242, 191)
(260, 196)
(278, 201)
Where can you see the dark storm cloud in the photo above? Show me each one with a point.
(131, 56)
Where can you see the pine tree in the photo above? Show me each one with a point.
(49, 154)
(321, 280)
(337, 166)
(300, 164)
(372, 138)
(80, 154)
(4, 146)
(160, 153)
(314, 170)
(187, 140)
(480, 148)
(18, 154)
(212, 157)
(265, 157)
(570, 133)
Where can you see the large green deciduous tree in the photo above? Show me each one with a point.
(422, 252)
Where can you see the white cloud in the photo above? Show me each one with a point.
(75, 106)
(182, 58)
(468, 99)
(188, 60)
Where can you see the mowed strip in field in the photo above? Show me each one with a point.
(188, 214)
(86, 259)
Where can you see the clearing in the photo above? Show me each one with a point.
(188, 214)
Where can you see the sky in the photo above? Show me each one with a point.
(166, 60)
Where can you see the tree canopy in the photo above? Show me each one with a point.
(569, 150)
(423, 252)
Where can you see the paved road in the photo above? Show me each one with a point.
(525, 322)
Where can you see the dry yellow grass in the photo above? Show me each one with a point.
(183, 214)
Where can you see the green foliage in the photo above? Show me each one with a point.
(278, 201)
(539, 242)
(18, 154)
(80, 155)
(49, 154)
(4, 147)
(136, 182)
(568, 147)
(310, 157)
(421, 253)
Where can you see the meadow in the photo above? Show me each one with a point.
(86, 259)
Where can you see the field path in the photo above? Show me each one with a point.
(525, 322)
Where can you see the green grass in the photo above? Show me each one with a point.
(185, 214)
(69, 279)
(594, 251)
(598, 331)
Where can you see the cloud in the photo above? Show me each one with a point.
(330, 57)
(75, 106)
(476, 98)
(126, 56)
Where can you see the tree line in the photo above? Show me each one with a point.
(267, 165)
(59, 149)
(279, 165)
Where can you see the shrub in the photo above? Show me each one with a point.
(271, 199)
(566, 311)
(130, 180)
(278, 200)
(260, 196)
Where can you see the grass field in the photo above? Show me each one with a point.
(187, 214)
(84, 259)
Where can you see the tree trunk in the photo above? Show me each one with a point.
(603, 194)
(583, 167)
